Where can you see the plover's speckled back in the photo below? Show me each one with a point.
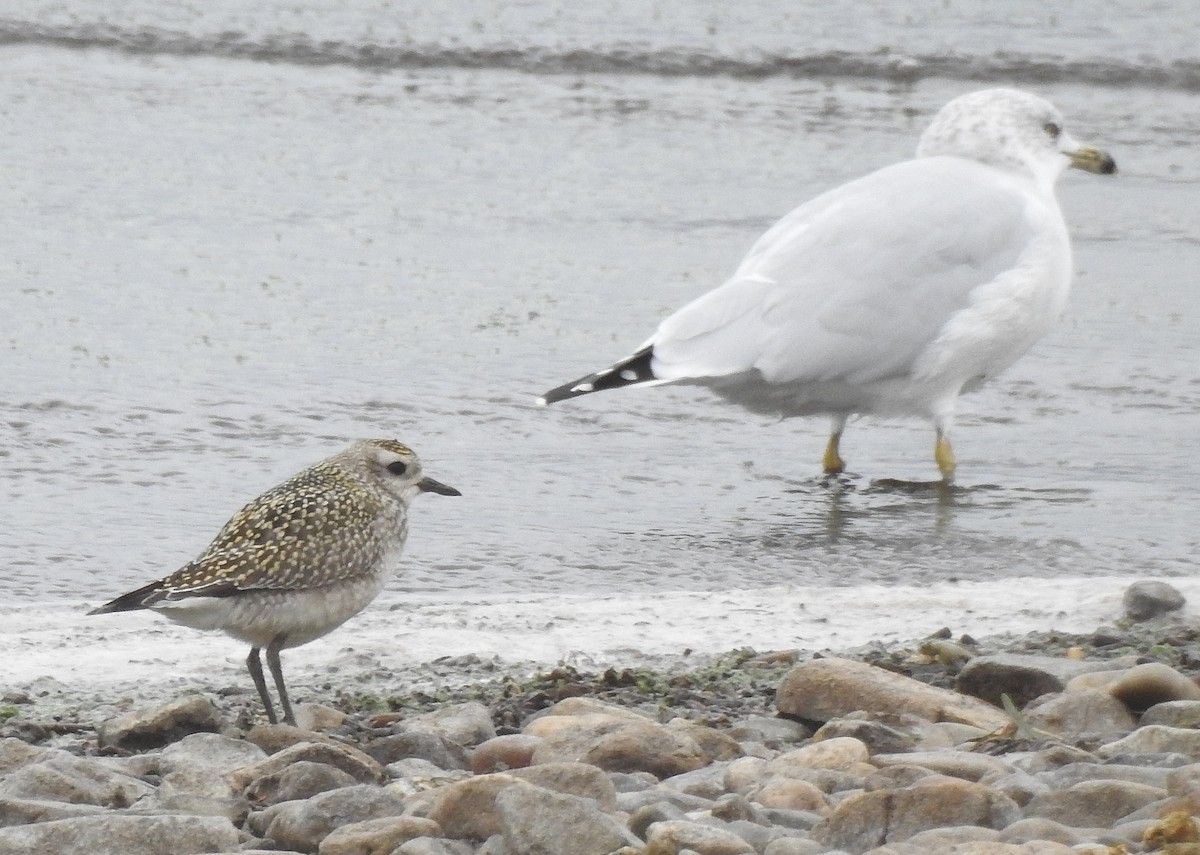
(299, 560)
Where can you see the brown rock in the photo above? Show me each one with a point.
(313, 717)
(377, 836)
(574, 779)
(155, 727)
(350, 760)
(615, 744)
(300, 780)
(716, 745)
(791, 794)
(824, 689)
(842, 753)
(273, 738)
(592, 706)
(672, 836)
(1141, 686)
(870, 819)
(511, 751)
(467, 809)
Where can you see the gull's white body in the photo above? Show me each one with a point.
(891, 294)
(879, 296)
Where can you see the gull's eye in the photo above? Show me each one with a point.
(1052, 130)
(397, 468)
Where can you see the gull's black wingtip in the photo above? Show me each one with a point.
(629, 372)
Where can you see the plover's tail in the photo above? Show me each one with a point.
(627, 372)
(132, 601)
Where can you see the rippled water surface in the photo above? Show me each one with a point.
(218, 269)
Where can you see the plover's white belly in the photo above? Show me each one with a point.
(257, 617)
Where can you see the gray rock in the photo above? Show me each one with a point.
(535, 821)
(641, 819)
(801, 820)
(462, 724)
(302, 825)
(25, 811)
(773, 732)
(794, 846)
(153, 727)
(1181, 780)
(1098, 804)
(1077, 773)
(894, 777)
(707, 783)
(300, 780)
(631, 782)
(1090, 712)
(673, 836)
(1021, 677)
(222, 754)
(630, 802)
(573, 779)
(434, 846)
(115, 834)
(1037, 828)
(433, 747)
(942, 839)
(878, 737)
(1146, 599)
(733, 806)
(1155, 739)
(956, 764)
(1019, 786)
(200, 764)
(55, 775)
(1185, 714)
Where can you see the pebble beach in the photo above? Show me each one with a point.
(1043, 742)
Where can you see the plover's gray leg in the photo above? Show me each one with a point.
(277, 672)
(254, 664)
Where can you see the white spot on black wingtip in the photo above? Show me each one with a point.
(583, 388)
(542, 402)
(629, 374)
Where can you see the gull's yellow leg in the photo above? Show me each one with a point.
(833, 462)
(944, 455)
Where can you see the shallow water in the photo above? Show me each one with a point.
(217, 271)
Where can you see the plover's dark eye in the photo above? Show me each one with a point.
(1052, 129)
(397, 468)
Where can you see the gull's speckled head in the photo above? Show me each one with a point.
(1013, 130)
